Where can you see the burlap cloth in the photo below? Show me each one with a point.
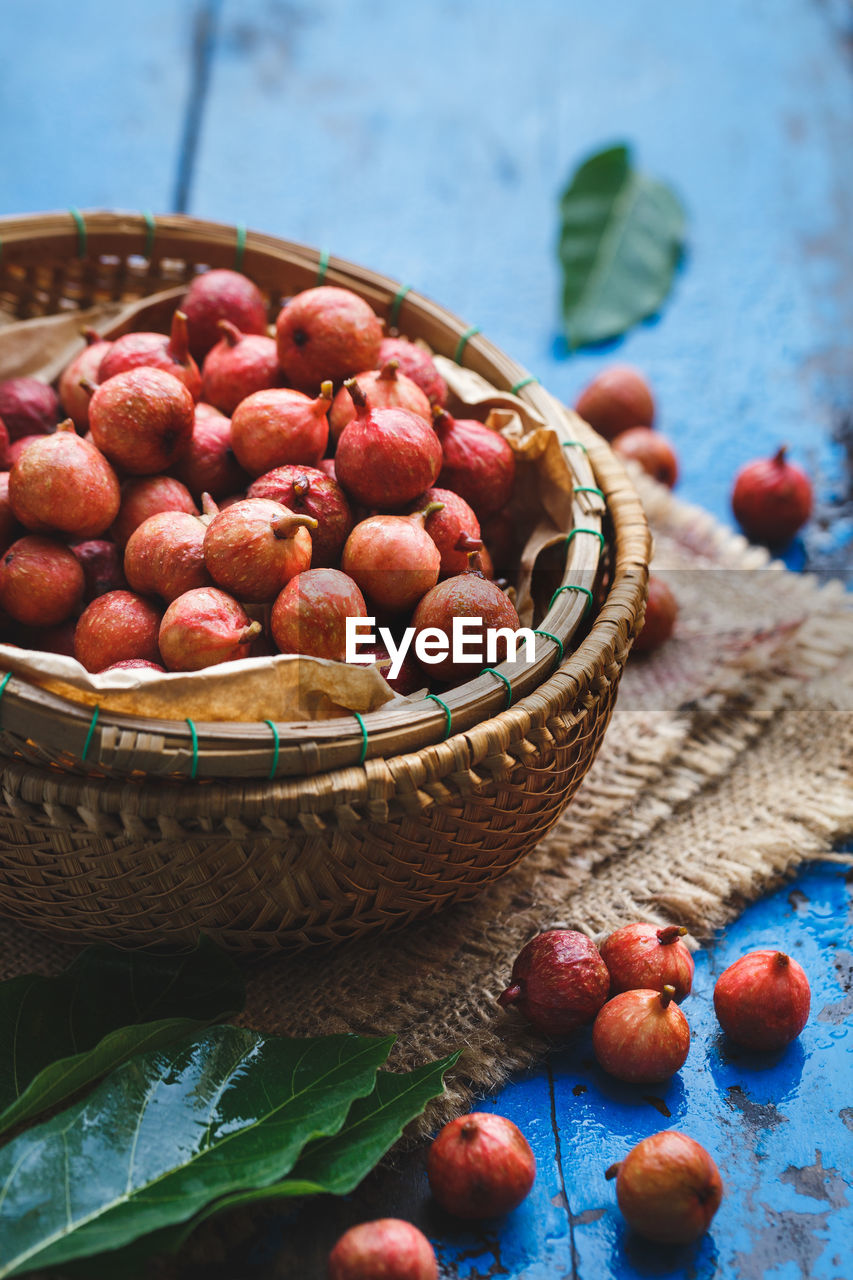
(728, 762)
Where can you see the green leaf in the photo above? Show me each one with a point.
(169, 1132)
(59, 1034)
(621, 238)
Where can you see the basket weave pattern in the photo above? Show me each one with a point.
(266, 865)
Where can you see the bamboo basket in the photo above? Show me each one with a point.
(148, 832)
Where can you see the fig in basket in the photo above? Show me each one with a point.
(307, 491)
(117, 627)
(65, 484)
(83, 368)
(393, 559)
(468, 598)
(384, 388)
(41, 581)
(239, 365)
(272, 428)
(417, 364)
(385, 457)
(254, 547)
(142, 420)
(477, 463)
(446, 526)
(165, 555)
(326, 332)
(310, 614)
(221, 295)
(148, 496)
(28, 407)
(209, 464)
(203, 628)
(169, 352)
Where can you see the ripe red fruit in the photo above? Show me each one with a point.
(308, 491)
(559, 981)
(388, 1249)
(115, 627)
(762, 1000)
(385, 457)
(18, 447)
(771, 499)
(164, 555)
(642, 955)
(142, 420)
(416, 364)
(103, 566)
(468, 595)
(169, 352)
(146, 497)
(309, 615)
(616, 400)
(641, 1036)
(209, 464)
(326, 333)
(83, 368)
(445, 526)
(392, 559)
(660, 619)
(41, 581)
(651, 450)
(668, 1188)
(135, 664)
(203, 628)
(480, 1165)
(477, 463)
(28, 407)
(221, 295)
(384, 388)
(275, 427)
(254, 547)
(62, 482)
(237, 366)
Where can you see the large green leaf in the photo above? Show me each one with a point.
(169, 1132)
(59, 1034)
(621, 237)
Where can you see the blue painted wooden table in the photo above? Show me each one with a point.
(430, 142)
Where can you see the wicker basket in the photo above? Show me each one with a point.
(143, 832)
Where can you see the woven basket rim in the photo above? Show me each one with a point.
(92, 235)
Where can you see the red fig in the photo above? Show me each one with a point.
(272, 428)
(154, 351)
(209, 464)
(326, 333)
(103, 566)
(164, 555)
(385, 388)
(660, 619)
(135, 664)
(473, 597)
(148, 496)
(41, 581)
(642, 955)
(28, 407)
(771, 499)
(392, 559)
(64, 483)
(616, 400)
(480, 1165)
(221, 295)
(445, 527)
(142, 420)
(255, 547)
(309, 616)
(668, 1188)
(385, 457)
(559, 981)
(83, 368)
(417, 364)
(477, 463)
(387, 1249)
(203, 628)
(651, 450)
(762, 1000)
(641, 1036)
(18, 447)
(239, 365)
(115, 627)
(307, 491)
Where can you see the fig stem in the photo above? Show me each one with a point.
(179, 342)
(285, 526)
(779, 456)
(510, 995)
(613, 1171)
(249, 633)
(67, 425)
(301, 486)
(91, 335)
(466, 543)
(671, 933)
(429, 510)
(781, 960)
(388, 372)
(666, 996)
(327, 391)
(469, 1130)
(230, 332)
(88, 386)
(208, 506)
(357, 396)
